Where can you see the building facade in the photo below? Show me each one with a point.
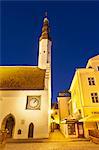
(79, 111)
(25, 94)
(68, 124)
(85, 96)
(54, 116)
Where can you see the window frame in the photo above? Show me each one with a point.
(95, 97)
(91, 81)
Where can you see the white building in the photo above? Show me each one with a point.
(25, 94)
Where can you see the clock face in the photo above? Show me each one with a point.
(33, 102)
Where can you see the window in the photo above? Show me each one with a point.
(90, 67)
(95, 98)
(71, 129)
(19, 131)
(91, 81)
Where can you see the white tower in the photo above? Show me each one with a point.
(44, 60)
(45, 43)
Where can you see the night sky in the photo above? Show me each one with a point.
(74, 31)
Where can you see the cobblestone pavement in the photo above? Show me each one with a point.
(56, 141)
(56, 135)
(81, 145)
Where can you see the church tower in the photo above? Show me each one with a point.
(45, 43)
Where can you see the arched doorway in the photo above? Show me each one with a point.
(9, 124)
(31, 130)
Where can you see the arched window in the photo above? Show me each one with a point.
(19, 131)
(31, 130)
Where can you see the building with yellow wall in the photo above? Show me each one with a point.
(85, 96)
(62, 99)
(68, 124)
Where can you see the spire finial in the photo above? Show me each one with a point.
(45, 18)
(46, 14)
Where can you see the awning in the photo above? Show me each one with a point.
(91, 118)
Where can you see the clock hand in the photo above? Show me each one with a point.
(34, 100)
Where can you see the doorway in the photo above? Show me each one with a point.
(31, 130)
(80, 129)
(8, 124)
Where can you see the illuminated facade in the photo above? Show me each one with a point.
(25, 94)
(54, 117)
(79, 111)
(68, 124)
(85, 96)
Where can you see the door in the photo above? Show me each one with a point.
(80, 129)
(10, 123)
(71, 129)
(31, 130)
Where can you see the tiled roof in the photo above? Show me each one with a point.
(21, 78)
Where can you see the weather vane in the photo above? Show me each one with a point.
(46, 14)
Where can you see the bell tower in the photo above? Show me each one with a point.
(45, 43)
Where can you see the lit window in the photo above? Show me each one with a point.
(95, 98)
(91, 81)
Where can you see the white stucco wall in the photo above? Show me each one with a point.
(44, 53)
(14, 102)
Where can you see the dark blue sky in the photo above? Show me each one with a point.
(74, 31)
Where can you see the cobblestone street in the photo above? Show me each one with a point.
(56, 141)
(81, 145)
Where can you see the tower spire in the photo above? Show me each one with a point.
(45, 29)
(45, 43)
